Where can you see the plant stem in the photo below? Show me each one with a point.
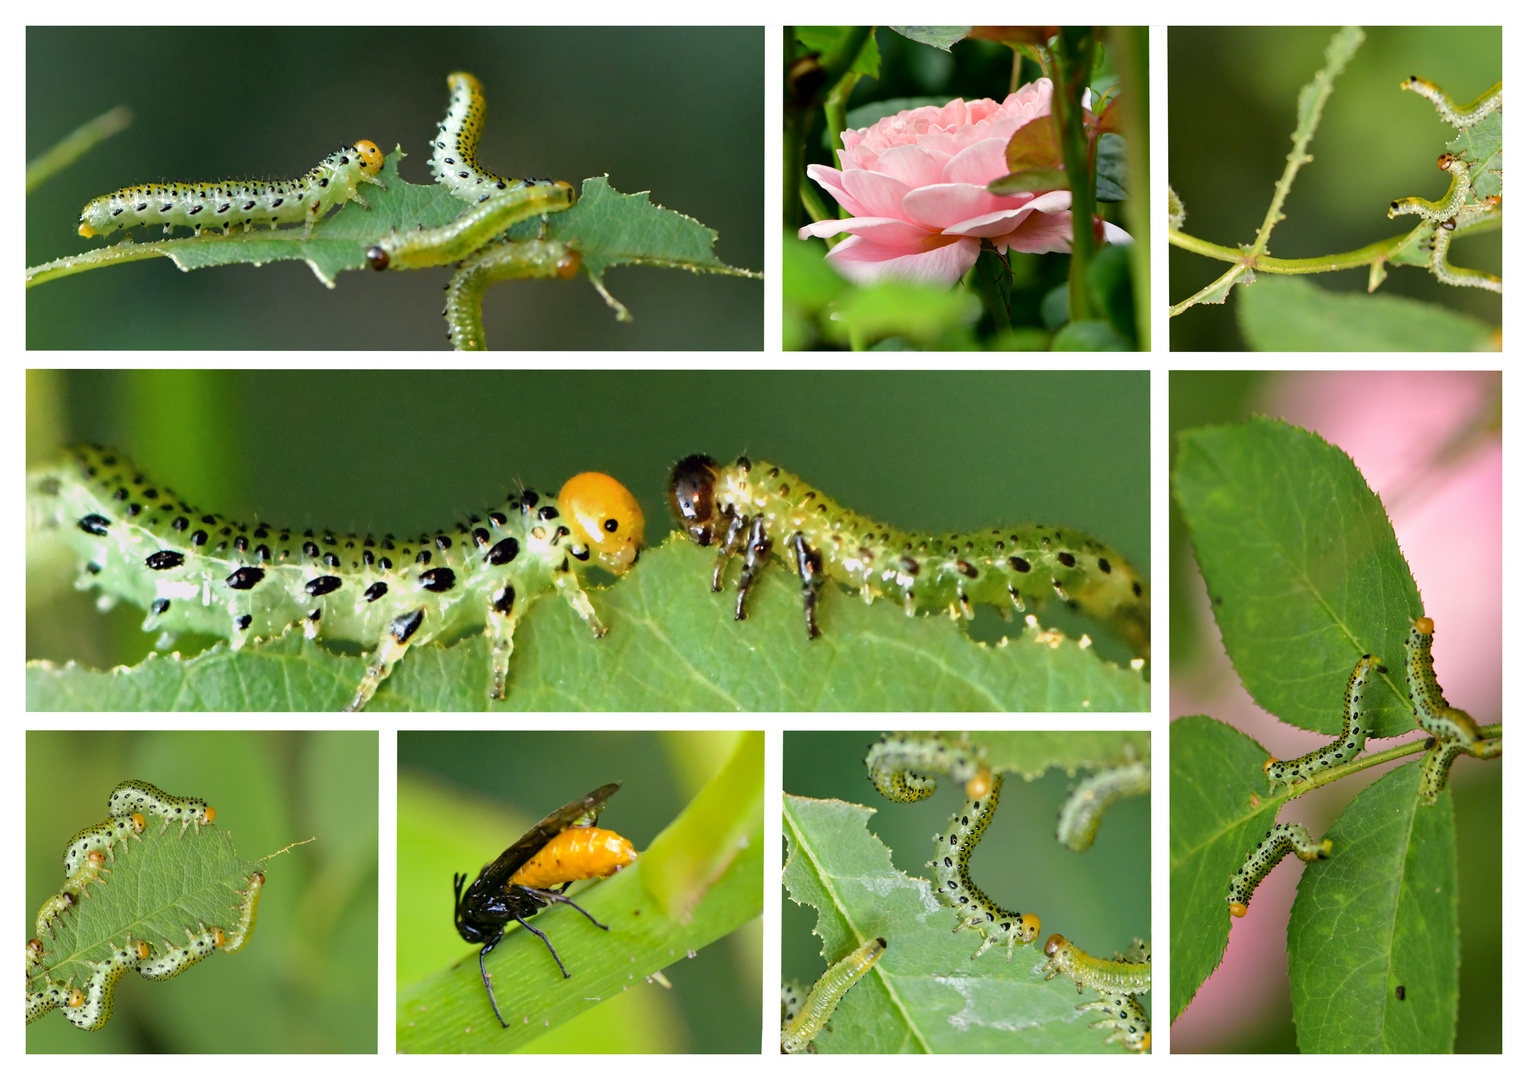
(1074, 67)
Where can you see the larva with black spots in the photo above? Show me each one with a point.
(1077, 823)
(1439, 759)
(174, 959)
(953, 884)
(53, 908)
(1349, 742)
(1459, 116)
(453, 154)
(227, 204)
(1276, 843)
(199, 572)
(822, 1001)
(120, 828)
(1123, 1013)
(1128, 973)
(899, 766)
(416, 249)
(238, 937)
(137, 798)
(94, 1010)
(1434, 714)
(753, 508)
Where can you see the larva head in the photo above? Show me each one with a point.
(76, 997)
(138, 823)
(1029, 928)
(569, 265)
(377, 257)
(1238, 910)
(371, 157)
(1054, 944)
(143, 950)
(1424, 625)
(692, 497)
(977, 788)
(606, 517)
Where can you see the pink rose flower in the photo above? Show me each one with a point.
(916, 184)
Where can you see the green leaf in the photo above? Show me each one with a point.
(828, 39)
(1113, 177)
(154, 889)
(940, 37)
(1218, 813)
(1289, 314)
(1303, 569)
(925, 994)
(925, 315)
(673, 645)
(1383, 911)
(449, 1010)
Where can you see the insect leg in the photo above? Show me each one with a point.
(502, 617)
(809, 568)
(390, 650)
(487, 985)
(755, 557)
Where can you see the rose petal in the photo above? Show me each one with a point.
(890, 232)
(866, 263)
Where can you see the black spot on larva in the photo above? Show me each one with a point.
(181, 524)
(908, 566)
(159, 607)
(1103, 564)
(164, 560)
(504, 551)
(199, 537)
(94, 524)
(423, 558)
(581, 554)
(245, 578)
(441, 579)
(1021, 565)
(134, 509)
(1135, 587)
(443, 542)
(322, 586)
(403, 626)
(1067, 559)
(503, 601)
(243, 621)
(375, 592)
(529, 499)
(480, 536)
(331, 559)
(262, 553)
(966, 568)
(310, 549)
(547, 513)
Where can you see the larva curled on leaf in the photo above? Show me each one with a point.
(1276, 843)
(170, 961)
(504, 260)
(1434, 714)
(798, 1030)
(753, 508)
(137, 798)
(416, 249)
(101, 839)
(1128, 973)
(227, 204)
(899, 766)
(197, 572)
(1349, 742)
(955, 888)
(453, 153)
(238, 937)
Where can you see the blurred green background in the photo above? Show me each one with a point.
(498, 784)
(409, 451)
(307, 981)
(1100, 898)
(1231, 109)
(677, 111)
(1430, 444)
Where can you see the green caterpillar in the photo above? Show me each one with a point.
(248, 911)
(899, 766)
(1434, 714)
(226, 204)
(505, 260)
(804, 1022)
(1128, 973)
(453, 154)
(449, 243)
(101, 839)
(1077, 823)
(1125, 1014)
(199, 572)
(752, 508)
(1276, 843)
(1348, 744)
(135, 798)
(951, 866)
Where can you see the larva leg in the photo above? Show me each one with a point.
(809, 569)
(1128, 1019)
(390, 650)
(756, 548)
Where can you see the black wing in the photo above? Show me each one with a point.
(577, 814)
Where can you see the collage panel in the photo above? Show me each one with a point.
(1339, 535)
(966, 188)
(1378, 230)
(564, 195)
(181, 847)
(1020, 928)
(662, 956)
(423, 587)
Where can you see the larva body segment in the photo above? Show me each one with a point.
(1123, 1013)
(53, 995)
(899, 766)
(248, 910)
(94, 1010)
(170, 961)
(101, 838)
(1117, 976)
(199, 572)
(821, 1002)
(139, 798)
(955, 888)
(1276, 843)
(417, 249)
(506, 260)
(753, 508)
(1349, 742)
(227, 204)
(53, 908)
(453, 154)
(1461, 117)
(1434, 714)
(1077, 823)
